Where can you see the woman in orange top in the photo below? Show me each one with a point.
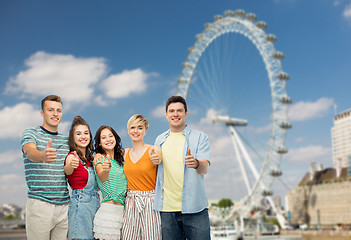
(140, 168)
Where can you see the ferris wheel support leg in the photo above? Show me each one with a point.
(281, 219)
(238, 155)
(245, 153)
(237, 225)
(238, 142)
(242, 225)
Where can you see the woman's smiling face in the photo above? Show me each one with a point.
(107, 139)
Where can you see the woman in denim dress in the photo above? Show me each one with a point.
(81, 177)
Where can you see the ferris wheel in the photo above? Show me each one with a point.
(220, 74)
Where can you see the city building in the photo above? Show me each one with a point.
(322, 199)
(341, 139)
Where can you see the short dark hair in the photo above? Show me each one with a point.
(53, 98)
(175, 99)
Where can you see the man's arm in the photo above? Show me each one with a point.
(33, 154)
(202, 161)
(201, 166)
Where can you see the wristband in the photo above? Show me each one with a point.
(198, 164)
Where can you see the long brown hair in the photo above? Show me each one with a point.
(118, 152)
(78, 120)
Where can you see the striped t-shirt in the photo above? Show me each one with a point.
(46, 181)
(115, 188)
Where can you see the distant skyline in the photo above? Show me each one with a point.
(109, 60)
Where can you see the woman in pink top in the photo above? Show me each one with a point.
(140, 168)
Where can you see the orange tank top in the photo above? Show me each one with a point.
(141, 176)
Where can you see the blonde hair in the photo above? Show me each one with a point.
(137, 120)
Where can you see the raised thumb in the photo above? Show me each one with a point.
(49, 143)
(188, 153)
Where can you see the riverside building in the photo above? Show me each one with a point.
(322, 199)
(341, 139)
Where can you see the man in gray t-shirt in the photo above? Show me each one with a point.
(44, 152)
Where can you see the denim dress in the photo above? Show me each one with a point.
(82, 208)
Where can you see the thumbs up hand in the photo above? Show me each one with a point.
(75, 160)
(155, 155)
(49, 143)
(190, 161)
(49, 154)
(98, 158)
(106, 165)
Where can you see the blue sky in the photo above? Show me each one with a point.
(109, 60)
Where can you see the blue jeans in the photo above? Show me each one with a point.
(179, 226)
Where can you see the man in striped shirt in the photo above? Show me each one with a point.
(44, 151)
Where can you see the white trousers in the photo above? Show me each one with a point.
(140, 221)
(46, 221)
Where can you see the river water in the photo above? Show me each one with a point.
(298, 237)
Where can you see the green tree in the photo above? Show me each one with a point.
(225, 202)
(11, 217)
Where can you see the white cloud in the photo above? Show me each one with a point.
(347, 11)
(74, 79)
(22, 116)
(284, 1)
(10, 157)
(9, 178)
(301, 111)
(17, 119)
(220, 145)
(311, 153)
(15, 188)
(159, 112)
(64, 127)
(70, 77)
(100, 101)
(123, 84)
(123, 132)
(262, 129)
(299, 139)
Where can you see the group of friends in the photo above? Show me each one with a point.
(147, 191)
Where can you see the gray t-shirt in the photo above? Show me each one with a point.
(46, 181)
